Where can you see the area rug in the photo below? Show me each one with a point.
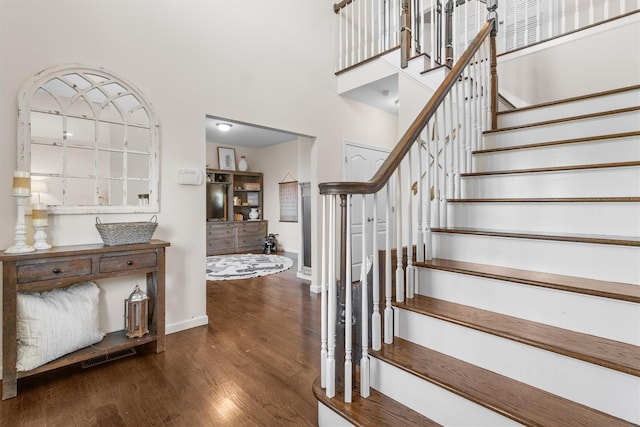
(244, 266)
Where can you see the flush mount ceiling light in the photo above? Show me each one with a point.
(224, 127)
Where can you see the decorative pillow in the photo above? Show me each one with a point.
(53, 323)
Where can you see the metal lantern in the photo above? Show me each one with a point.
(136, 314)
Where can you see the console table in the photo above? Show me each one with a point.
(65, 265)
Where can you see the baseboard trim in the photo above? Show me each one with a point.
(187, 324)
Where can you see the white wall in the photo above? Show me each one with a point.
(592, 60)
(189, 61)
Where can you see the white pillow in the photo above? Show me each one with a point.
(53, 323)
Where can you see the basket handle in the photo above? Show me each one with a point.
(98, 220)
(154, 218)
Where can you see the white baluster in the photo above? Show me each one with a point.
(436, 169)
(348, 312)
(459, 159)
(399, 254)
(419, 209)
(376, 326)
(380, 27)
(423, 41)
(551, 19)
(410, 268)
(331, 303)
(591, 13)
(526, 22)
(432, 29)
(576, 15)
(427, 237)
(538, 23)
(446, 144)
(455, 128)
(364, 312)
(323, 301)
(563, 19)
(466, 98)
(388, 311)
(623, 6)
(341, 61)
(359, 30)
(605, 12)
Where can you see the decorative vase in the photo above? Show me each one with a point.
(242, 164)
(254, 213)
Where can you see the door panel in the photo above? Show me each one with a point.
(361, 163)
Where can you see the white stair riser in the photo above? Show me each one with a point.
(601, 182)
(602, 262)
(584, 153)
(434, 402)
(614, 101)
(604, 389)
(608, 318)
(328, 418)
(603, 125)
(619, 218)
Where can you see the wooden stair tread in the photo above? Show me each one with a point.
(563, 237)
(599, 288)
(572, 99)
(563, 120)
(520, 402)
(550, 200)
(377, 409)
(554, 169)
(558, 142)
(611, 354)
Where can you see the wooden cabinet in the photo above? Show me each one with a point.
(235, 236)
(231, 196)
(65, 265)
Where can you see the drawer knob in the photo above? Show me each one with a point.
(57, 271)
(129, 262)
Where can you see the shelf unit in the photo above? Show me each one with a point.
(243, 188)
(63, 266)
(234, 232)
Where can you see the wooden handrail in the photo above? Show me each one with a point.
(394, 159)
(342, 4)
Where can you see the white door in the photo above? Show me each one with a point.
(360, 164)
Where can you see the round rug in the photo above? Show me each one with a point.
(244, 266)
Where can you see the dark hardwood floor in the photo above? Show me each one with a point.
(253, 365)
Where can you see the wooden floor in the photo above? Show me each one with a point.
(253, 365)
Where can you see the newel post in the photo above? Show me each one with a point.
(405, 33)
(492, 6)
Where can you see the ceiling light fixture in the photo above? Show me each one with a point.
(224, 127)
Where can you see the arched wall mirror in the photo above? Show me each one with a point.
(90, 140)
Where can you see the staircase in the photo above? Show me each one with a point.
(529, 314)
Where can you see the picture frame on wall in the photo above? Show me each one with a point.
(226, 159)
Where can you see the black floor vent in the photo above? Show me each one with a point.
(89, 363)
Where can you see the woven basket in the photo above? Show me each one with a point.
(125, 233)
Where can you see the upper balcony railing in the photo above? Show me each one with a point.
(443, 29)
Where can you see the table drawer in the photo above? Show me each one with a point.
(219, 232)
(220, 243)
(53, 269)
(110, 264)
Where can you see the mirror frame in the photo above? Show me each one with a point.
(25, 97)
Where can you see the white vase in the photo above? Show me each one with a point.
(254, 213)
(242, 164)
